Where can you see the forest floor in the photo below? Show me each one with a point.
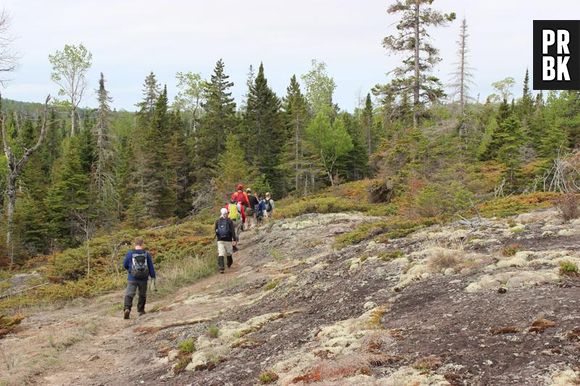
(478, 302)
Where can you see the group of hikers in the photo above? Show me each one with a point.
(245, 210)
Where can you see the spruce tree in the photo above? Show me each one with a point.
(412, 38)
(296, 116)
(264, 132)
(367, 122)
(219, 120)
(178, 165)
(68, 196)
(511, 140)
(103, 175)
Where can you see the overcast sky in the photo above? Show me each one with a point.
(130, 38)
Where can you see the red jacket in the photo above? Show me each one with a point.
(241, 197)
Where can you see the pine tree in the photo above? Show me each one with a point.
(219, 120)
(510, 138)
(178, 165)
(159, 200)
(68, 197)
(233, 167)
(412, 38)
(296, 115)
(367, 118)
(103, 176)
(354, 164)
(264, 132)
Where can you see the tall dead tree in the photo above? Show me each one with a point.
(463, 76)
(8, 58)
(15, 167)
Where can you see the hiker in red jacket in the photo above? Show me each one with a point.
(240, 197)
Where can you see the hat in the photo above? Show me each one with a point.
(249, 190)
(268, 194)
(240, 187)
(223, 211)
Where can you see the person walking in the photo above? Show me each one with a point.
(269, 206)
(226, 235)
(252, 209)
(139, 266)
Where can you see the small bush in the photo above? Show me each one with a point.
(443, 259)
(268, 377)
(512, 205)
(442, 199)
(213, 331)
(9, 323)
(187, 346)
(391, 255)
(511, 249)
(568, 268)
(568, 205)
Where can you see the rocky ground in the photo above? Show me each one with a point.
(478, 302)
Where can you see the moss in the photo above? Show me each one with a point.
(271, 285)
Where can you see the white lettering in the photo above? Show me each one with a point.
(563, 73)
(548, 39)
(548, 70)
(563, 40)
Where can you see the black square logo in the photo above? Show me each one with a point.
(556, 54)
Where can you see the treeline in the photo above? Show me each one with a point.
(99, 169)
(171, 159)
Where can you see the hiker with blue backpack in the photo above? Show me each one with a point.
(139, 266)
(226, 236)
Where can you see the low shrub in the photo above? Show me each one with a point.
(442, 199)
(268, 377)
(568, 268)
(512, 205)
(510, 249)
(187, 346)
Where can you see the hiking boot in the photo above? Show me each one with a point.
(126, 314)
(230, 261)
(222, 270)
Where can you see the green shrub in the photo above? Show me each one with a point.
(187, 345)
(268, 377)
(443, 199)
(568, 268)
(391, 255)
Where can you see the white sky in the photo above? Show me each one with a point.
(130, 38)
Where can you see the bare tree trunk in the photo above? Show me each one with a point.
(462, 76)
(416, 84)
(73, 119)
(15, 168)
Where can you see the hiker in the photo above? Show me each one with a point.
(239, 196)
(269, 206)
(139, 266)
(233, 211)
(252, 209)
(261, 209)
(226, 235)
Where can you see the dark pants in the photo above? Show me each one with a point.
(221, 262)
(130, 294)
